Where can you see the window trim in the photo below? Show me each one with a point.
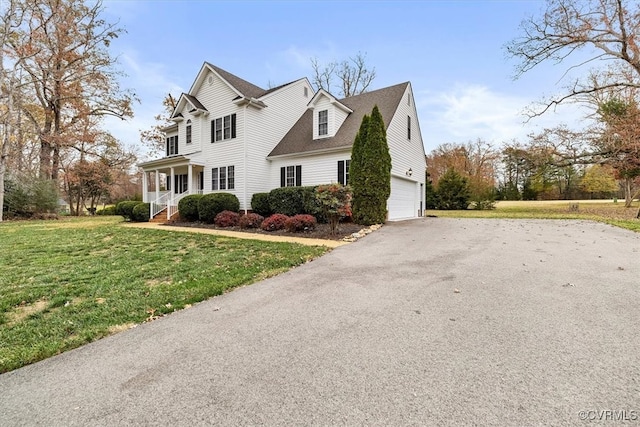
(343, 171)
(323, 126)
(223, 178)
(291, 176)
(223, 128)
(172, 145)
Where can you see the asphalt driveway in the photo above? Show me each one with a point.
(425, 322)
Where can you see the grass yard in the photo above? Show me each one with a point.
(602, 211)
(69, 282)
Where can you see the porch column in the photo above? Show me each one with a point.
(173, 182)
(145, 187)
(157, 184)
(189, 178)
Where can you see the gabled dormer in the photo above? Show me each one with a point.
(188, 105)
(328, 114)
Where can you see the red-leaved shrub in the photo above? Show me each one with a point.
(226, 219)
(250, 220)
(300, 222)
(274, 222)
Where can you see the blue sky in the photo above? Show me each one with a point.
(451, 51)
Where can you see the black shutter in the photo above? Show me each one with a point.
(233, 126)
(341, 171)
(167, 147)
(283, 177)
(298, 176)
(175, 184)
(213, 130)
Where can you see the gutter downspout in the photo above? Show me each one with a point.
(246, 174)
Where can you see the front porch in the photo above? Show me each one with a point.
(166, 181)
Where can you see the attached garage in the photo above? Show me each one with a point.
(404, 200)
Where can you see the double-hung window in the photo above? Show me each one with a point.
(408, 127)
(291, 176)
(172, 145)
(223, 178)
(343, 171)
(223, 128)
(189, 131)
(323, 122)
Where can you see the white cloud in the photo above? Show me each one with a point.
(151, 83)
(467, 112)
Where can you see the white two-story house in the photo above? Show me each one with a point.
(232, 136)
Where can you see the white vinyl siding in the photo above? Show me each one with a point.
(406, 153)
(316, 170)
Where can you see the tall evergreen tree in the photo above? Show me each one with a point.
(370, 171)
(356, 168)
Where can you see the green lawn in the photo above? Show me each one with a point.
(69, 282)
(607, 212)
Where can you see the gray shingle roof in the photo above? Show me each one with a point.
(194, 101)
(299, 139)
(244, 87)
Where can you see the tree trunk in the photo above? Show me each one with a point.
(628, 197)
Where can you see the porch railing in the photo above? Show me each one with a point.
(159, 205)
(172, 207)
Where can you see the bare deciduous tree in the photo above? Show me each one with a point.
(350, 76)
(63, 46)
(154, 136)
(611, 28)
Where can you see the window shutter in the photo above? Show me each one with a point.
(283, 177)
(175, 184)
(213, 130)
(341, 171)
(233, 126)
(167, 147)
(298, 176)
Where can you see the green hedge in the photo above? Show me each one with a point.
(188, 207)
(126, 208)
(293, 201)
(260, 204)
(212, 204)
(141, 212)
(109, 210)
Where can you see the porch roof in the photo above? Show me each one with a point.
(167, 162)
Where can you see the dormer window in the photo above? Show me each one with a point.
(189, 131)
(323, 122)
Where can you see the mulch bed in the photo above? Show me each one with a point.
(322, 231)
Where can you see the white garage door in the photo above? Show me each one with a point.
(402, 202)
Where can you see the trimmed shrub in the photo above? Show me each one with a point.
(188, 207)
(250, 220)
(260, 204)
(293, 200)
(286, 200)
(141, 212)
(126, 208)
(274, 222)
(212, 204)
(109, 210)
(300, 222)
(227, 219)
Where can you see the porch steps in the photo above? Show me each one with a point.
(160, 218)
